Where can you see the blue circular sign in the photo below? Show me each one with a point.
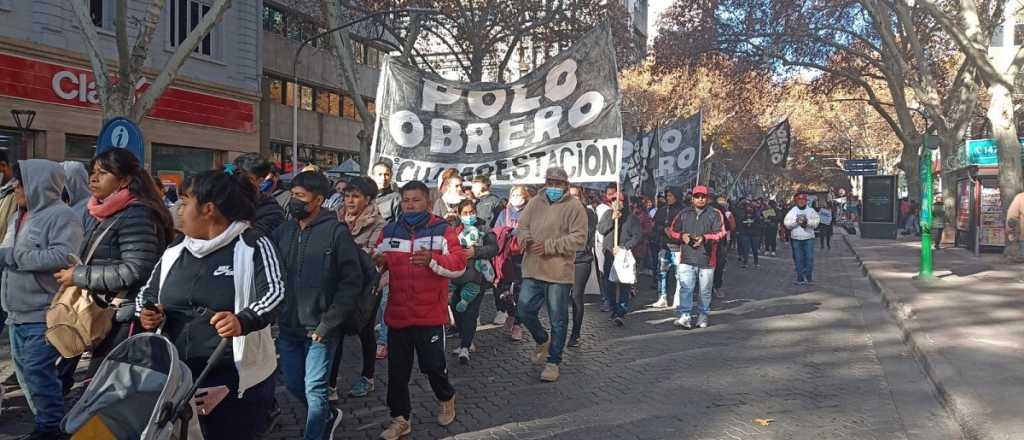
(121, 133)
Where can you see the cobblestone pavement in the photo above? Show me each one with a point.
(819, 362)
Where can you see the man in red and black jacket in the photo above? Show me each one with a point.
(421, 253)
(698, 229)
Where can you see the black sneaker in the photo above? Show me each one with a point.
(574, 341)
(619, 321)
(333, 423)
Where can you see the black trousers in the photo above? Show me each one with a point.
(720, 264)
(771, 239)
(465, 322)
(404, 345)
(579, 287)
(367, 348)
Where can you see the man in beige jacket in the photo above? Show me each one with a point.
(552, 228)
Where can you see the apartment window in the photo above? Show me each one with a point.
(998, 36)
(371, 106)
(359, 51)
(289, 97)
(348, 108)
(273, 20)
(276, 91)
(323, 101)
(335, 104)
(96, 12)
(185, 16)
(373, 56)
(1018, 34)
(306, 96)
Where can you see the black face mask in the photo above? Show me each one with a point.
(298, 209)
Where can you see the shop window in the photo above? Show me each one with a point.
(185, 16)
(306, 98)
(323, 101)
(289, 96)
(335, 105)
(188, 161)
(79, 148)
(348, 108)
(276, 91)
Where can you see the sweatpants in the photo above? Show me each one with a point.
(404, 345)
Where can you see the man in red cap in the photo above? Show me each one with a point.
(801, 222)
(697, 229)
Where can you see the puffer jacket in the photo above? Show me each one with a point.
(125, 258)
(419, 295)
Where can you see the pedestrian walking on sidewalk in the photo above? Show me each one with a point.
(770, 217)
(553, 227)
(508, 264)
(611, 193)
(584, 267)
(699, 229)
(801, 220)
(938, 221)
(630, 233)
(667, 252)
(422, 253)
(749, 228)
(467, 291)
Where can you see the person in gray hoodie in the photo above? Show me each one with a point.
(76, 184)
(46, 231)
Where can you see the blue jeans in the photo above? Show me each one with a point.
(305, 366)
(35, 364)
(382, 335)
(691, 277)
(534, 295)
(803, 259)
(667, 262)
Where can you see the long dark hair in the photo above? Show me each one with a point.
(233, 194)
(124, 164)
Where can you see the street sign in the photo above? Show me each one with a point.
(861, 167)
(861, 172)
(121, 133)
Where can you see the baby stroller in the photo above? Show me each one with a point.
(141, 391)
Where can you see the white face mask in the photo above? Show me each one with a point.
(516, 200)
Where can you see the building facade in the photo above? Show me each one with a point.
(328, 124)
(209, 114)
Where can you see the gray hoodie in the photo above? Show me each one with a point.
(47, 235)
(76, 180)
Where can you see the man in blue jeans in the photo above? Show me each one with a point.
(47, 230)
(553, 227)
(801, 221)
(323, 281)
(697, 231)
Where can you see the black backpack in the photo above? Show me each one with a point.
(365, 304)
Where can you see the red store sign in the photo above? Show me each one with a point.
(63, 85)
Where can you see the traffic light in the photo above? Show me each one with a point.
(812, 157)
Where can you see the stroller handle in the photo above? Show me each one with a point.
(169, 413)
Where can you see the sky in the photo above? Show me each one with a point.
(654, 10)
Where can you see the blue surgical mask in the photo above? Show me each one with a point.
(468, 220)
(414, 218)
(266, 185)
(554, 194)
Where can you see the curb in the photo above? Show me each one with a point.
(935, 371)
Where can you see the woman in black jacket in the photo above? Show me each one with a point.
(221, 280)
(630, 235)
(482, 251)
(584, 264)
(127, 227)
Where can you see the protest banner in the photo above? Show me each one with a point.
(564, 113)
(668, 157)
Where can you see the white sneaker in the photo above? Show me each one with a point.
(659, 304)
(500, 318)
(683, 321)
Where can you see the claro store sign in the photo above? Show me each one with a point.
(40, 81)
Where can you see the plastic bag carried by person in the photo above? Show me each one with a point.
(624, 267)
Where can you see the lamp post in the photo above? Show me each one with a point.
(295, 71)
(928, 145)
(23, 120)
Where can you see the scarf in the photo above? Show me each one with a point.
(201, 248)
(111, 205)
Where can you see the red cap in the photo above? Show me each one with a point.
(700, 189)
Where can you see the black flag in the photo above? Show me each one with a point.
(776, 145)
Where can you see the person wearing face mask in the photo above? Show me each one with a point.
(447, 205)
(508, 263)
(467, 291)
(269, 213)
(630, 236)
(422, 253)
(319, 255)
(552, 228)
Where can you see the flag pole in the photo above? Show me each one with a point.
(700, 142)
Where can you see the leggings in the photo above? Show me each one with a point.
(579, 288)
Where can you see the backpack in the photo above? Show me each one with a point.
(364, 306)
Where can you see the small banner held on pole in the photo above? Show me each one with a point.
(638, 159)
(564, 113)
(678, 152)
(776, 144)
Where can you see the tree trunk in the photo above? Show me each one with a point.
(910, 164)
(1000, 114)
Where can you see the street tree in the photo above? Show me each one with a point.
(116, 82)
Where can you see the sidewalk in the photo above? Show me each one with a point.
(966, 328)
